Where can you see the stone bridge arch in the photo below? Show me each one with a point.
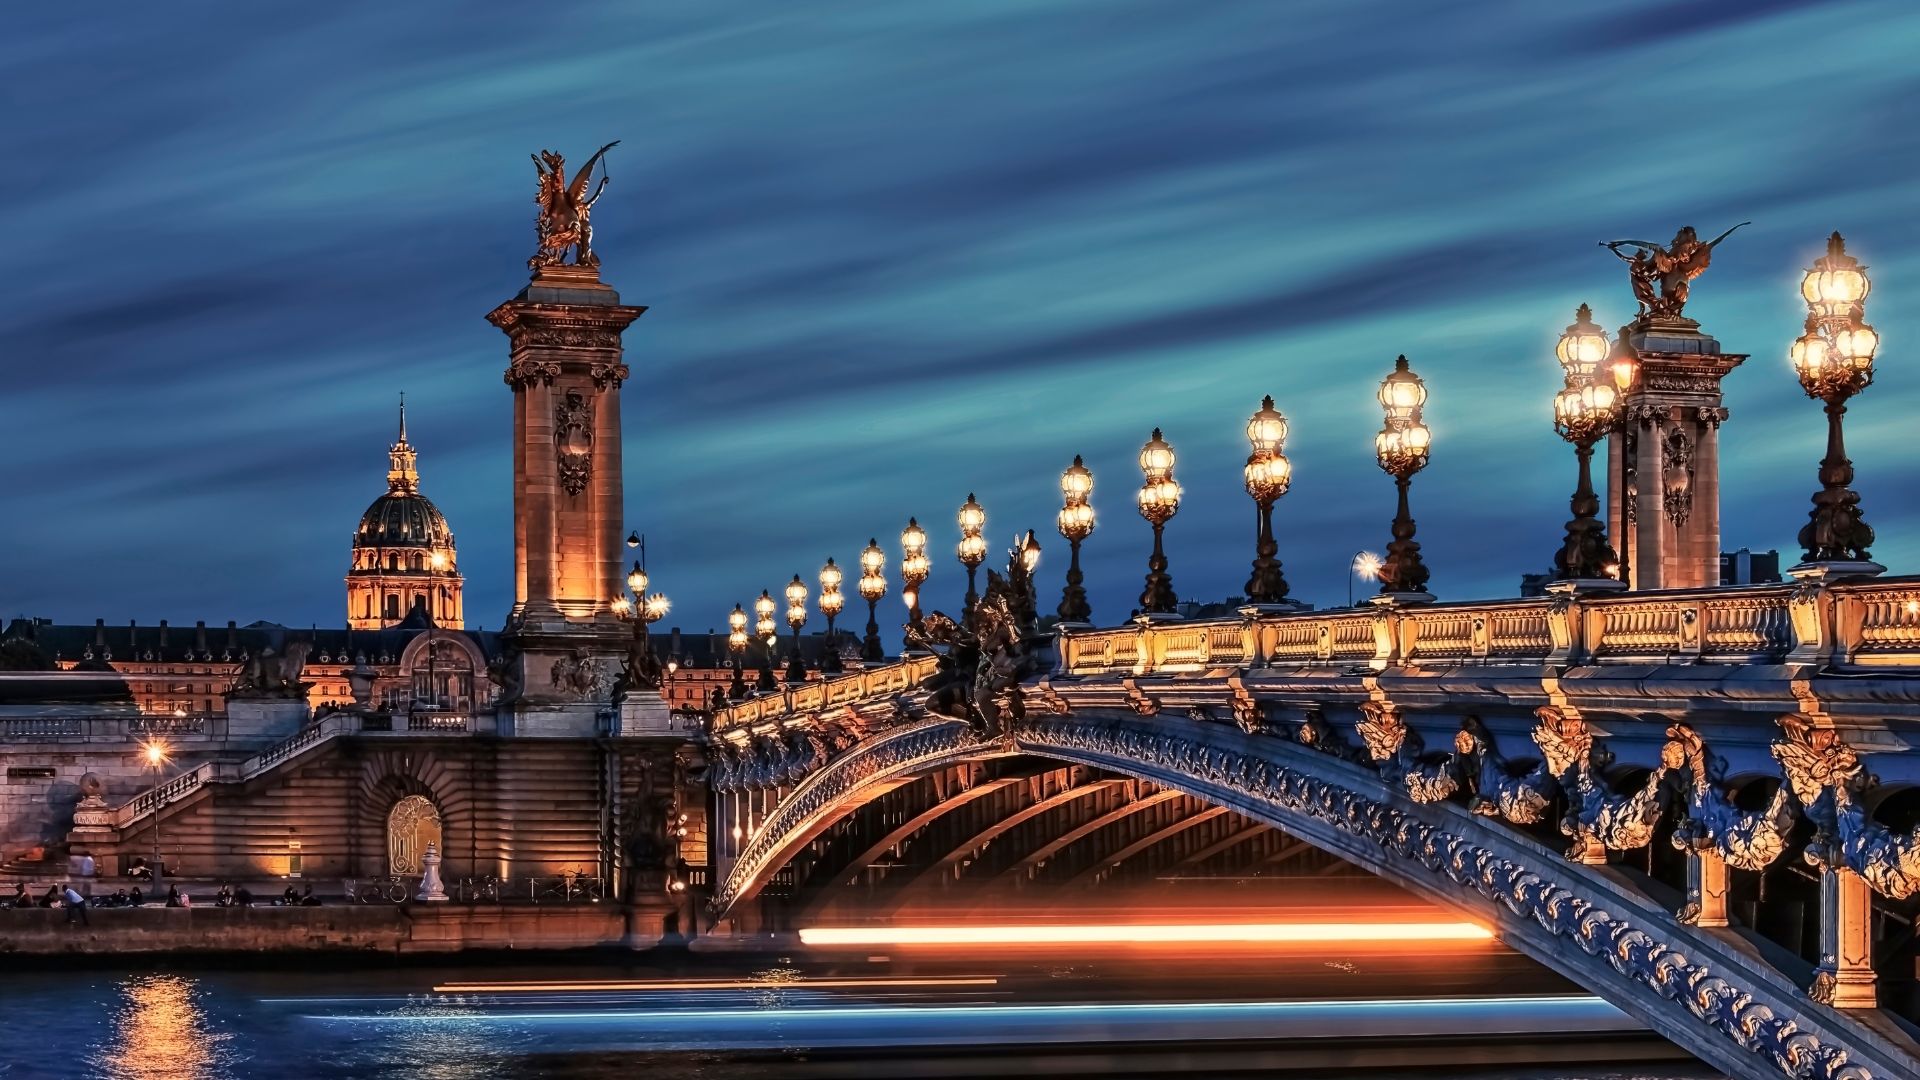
(1709, 992)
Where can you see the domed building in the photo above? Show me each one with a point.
(403, 553)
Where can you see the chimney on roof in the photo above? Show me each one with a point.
(133, 635)
(200, 637)
(163, 637)
(100, 633)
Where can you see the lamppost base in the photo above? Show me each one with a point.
(1401, 599)
(1815, 573)
(1585, 586)
(1149, 618)
(1285, 607)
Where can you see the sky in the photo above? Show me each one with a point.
(896, 253)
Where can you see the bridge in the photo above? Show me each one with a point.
(1626, 787)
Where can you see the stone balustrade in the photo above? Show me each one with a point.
(895, 678)
(1867, 624)
(107, 728)
(1861, 625)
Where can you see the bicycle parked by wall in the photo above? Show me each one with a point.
(388, 890)
(571, 887)
(478, 890)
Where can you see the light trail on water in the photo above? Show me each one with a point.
(1147, 933)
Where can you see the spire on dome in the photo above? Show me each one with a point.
(401, 475)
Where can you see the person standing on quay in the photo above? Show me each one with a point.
(76, 906)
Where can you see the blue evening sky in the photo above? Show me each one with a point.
(897, 252)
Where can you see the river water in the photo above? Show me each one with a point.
(1379, 1014)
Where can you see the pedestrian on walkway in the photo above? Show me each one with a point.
(76, 906)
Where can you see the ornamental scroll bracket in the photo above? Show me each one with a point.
(573, 439)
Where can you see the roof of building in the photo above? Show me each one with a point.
(102, 643)
(403, 517)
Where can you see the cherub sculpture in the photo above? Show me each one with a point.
(566, 209)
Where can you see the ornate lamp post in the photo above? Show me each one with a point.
(1584, 412)
(1402, 447)
(763, 628)
(642, 609)
(1159, 501)
(737, 645)
(831, 601)
(796, 618)
(873, 586)
(1834, 360)
(1076, 524)
(973, 545)
(156, 754)
(914, 568)
(1267, 476)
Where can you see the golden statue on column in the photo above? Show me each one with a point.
(566, 209)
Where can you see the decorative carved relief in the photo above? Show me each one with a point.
(524, 372)
(1676, 476)
(1563, 739)
(577, 676)
(1524, 800)
(1316, 733)
(1248, 715)
(573, 439)
(608, 375)
(1140, 701)
(1747, 841)
(1829, 779)
(1047, 701)
(1381, 728)
(570, 337)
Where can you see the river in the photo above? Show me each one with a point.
(1378, 1014)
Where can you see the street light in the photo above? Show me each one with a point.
(973, 544)
(1030, 553)
(1367, 565)
(156, 754)
(1268, 474)
(1834, 360)
(1076, 524)
(1159, 500)
(914, 569)
(763, 628)
(831, 601)
(873, 586)
(1583, 413)
(737, 645)
(796, 618)
(1402, 448)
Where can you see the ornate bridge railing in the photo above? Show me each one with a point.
(1869, 624)
(1863, 625)
(892, 679)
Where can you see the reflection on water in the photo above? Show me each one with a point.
(160, 1032)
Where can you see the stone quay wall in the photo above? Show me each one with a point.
(382, 928)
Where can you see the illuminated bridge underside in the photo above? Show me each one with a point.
(1711, 994)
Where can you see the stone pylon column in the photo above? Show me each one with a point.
(565, 370)
(1663, 466)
